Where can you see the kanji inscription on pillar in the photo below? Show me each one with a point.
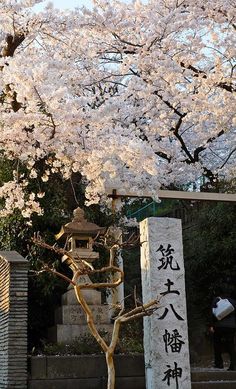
(166, 331)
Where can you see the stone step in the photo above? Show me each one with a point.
(74, 314)
(214, 385)
(212, 375)
(213, 379)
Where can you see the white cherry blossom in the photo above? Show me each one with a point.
(138, 95)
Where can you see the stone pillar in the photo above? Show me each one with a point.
(13, 320)
(115, 297)
(165, 332)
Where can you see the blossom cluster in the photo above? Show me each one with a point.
(138, 95)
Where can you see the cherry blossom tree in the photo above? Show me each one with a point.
(137, 95)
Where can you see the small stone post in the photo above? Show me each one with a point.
(165, 332)
(13, 320)
(116, 297)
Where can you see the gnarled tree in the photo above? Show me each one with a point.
(115, 278)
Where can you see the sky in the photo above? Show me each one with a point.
(63, 4)
(71, 3)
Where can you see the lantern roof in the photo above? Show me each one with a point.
(79, 226)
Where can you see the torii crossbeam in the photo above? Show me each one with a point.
(175, 194)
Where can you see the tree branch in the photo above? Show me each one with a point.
(233, 151)
(197, 73)
(12, 42)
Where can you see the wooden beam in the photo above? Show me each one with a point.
(176, 194)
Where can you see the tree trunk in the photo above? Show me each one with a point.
(110, 370)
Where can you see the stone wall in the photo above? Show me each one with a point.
(4, 320)
(85, 372)
(13, 320)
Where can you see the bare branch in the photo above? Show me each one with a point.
(43, 105)
(230, 154)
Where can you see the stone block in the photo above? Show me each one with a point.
(130, 382)
(80, 366)
(92, 297)
(66, 333)
(38, 367)
(89, 383)
(92, 383)
(129, 365)
(74, 314)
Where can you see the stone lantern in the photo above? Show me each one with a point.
(70, 321)
(79, 235)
